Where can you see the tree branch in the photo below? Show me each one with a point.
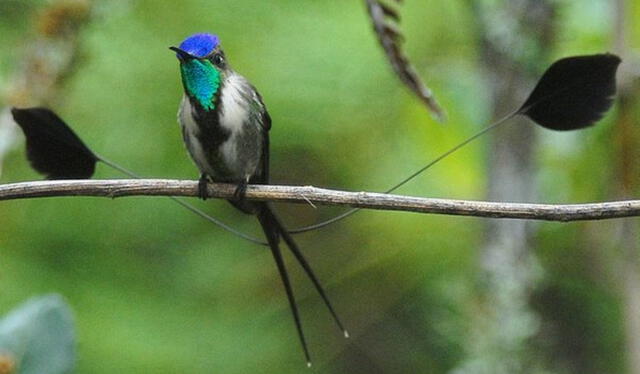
(304, 195)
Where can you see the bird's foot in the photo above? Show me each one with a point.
(202, 187)
(241, 191)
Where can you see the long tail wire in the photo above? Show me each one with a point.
(410, 177)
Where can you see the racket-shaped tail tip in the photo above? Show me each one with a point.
(574, 92)
(53, 149)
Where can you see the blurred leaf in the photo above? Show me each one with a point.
(382, 17)
(39, 336)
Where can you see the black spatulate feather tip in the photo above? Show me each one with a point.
(53, 149)
(574, 93)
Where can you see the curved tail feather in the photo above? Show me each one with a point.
(271, 227)
(273, 230)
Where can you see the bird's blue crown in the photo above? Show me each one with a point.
(200, 45)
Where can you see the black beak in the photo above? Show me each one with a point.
(182, 55)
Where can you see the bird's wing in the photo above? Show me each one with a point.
(264, 120)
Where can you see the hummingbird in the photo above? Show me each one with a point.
(225, 127)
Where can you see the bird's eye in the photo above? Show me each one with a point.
(217, 59)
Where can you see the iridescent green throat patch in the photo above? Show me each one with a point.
(201, 81)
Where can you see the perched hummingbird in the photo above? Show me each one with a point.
(225, 126)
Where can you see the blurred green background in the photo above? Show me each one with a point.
(156, 289)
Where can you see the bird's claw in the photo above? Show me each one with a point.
(202, 187)
(240, 192)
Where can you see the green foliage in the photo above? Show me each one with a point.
(39, 337)
(158, 290)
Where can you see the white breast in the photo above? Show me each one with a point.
(233, 117)
(234, 114)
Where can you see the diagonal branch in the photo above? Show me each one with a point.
(385, 19)
(306, 194)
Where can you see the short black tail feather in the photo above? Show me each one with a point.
(273, 230)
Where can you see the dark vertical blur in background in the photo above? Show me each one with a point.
(156, 289)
